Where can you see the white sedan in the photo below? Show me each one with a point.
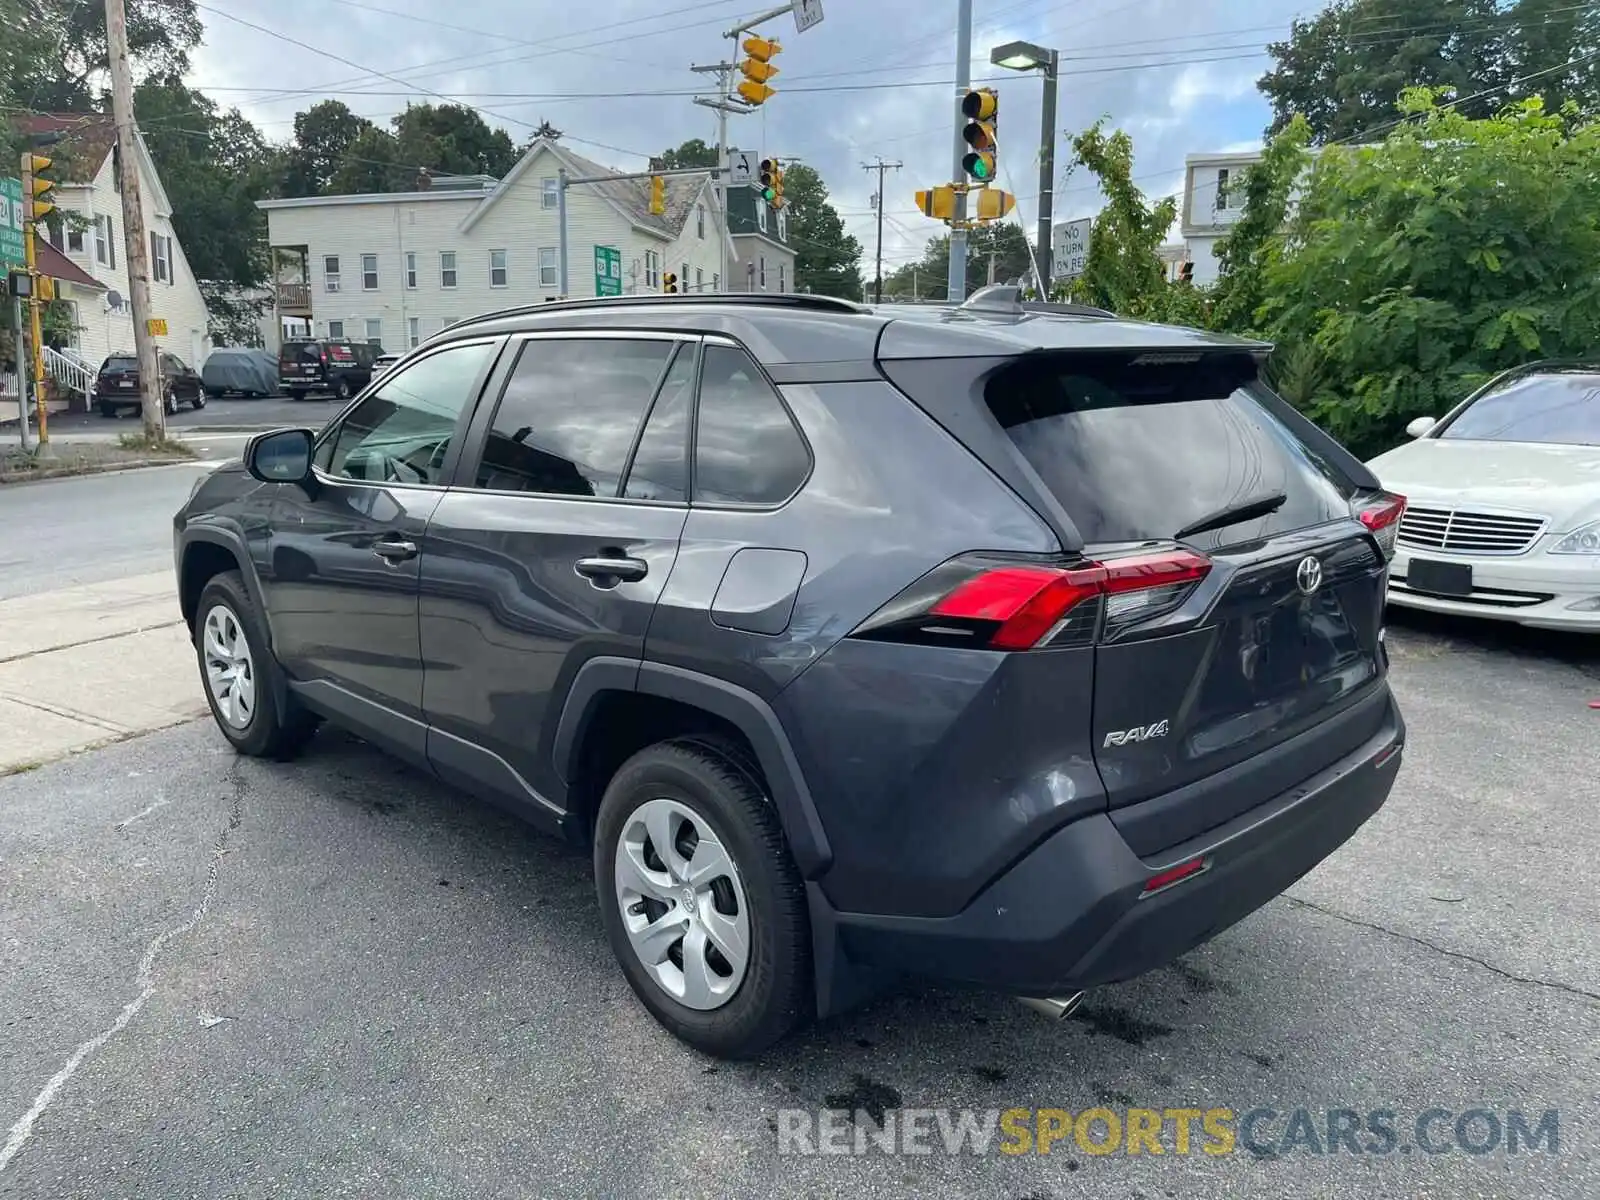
(1502, 514)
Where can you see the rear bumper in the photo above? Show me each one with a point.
(1071, 914)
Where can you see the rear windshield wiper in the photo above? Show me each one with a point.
(1245, 510)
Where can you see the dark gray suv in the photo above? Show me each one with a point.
(1011, 645)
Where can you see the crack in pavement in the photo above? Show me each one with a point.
(1568, 988)
(104, 637)
(144, 980)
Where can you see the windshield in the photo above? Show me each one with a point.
(1563, 410)
(1138, 449)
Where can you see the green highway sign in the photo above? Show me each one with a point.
(12, 251)
(607, 271)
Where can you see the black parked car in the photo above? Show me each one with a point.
(116, 386)
(335, 368)
(1015, 646)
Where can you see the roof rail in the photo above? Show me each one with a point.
(1007, 298)
(754, 299)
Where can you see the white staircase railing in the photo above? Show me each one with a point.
(68, 372)
(8, 385)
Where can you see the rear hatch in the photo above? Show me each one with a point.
(119, 374)
(302, 361)
(1231, 574)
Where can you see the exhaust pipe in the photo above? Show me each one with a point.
(1052, 1007)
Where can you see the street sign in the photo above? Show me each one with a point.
(806, 14)
(607, 271)
(1070, 254)
(741, 166)
(12, 251)
(156, 327)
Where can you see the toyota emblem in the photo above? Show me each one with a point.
(1308, 575)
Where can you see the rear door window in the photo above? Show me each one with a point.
(567, 420)
(747, 449)
(1136, 448)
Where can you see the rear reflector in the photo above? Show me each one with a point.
(1162, 880)
(1381, 514)
(976, 601)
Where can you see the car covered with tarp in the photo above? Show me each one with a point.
(242, 371)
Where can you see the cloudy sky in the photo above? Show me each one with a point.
(875, 78)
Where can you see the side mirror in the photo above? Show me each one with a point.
(282, 456)
(1420, 426)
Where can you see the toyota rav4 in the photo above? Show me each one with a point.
(1011, 645)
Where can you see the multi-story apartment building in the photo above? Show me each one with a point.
(761, 235)
(85, 252)
(395, 268)
(1213, 201)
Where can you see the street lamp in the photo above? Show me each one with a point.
(1025, 56)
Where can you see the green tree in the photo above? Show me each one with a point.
(826, 257)
(451, 139)
(323, 135)
(372, 163)
(1416, 268)
(1344, 68)
(693, 153)
(1124, 272)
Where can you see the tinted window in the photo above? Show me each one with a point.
(402, 431)
(119, 363)
(1564, 409)
(302, 352)
(1136, 450)
(747, 450)
(661, 463)
(569, 413)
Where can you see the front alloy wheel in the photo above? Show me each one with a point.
(230, 670)
(683, 904)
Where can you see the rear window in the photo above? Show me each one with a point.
(1562, 410)
(1138, 447)
(301, 352)
(119, 363)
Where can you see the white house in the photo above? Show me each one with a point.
(1213, 201)
(90, 264)
(395, 268)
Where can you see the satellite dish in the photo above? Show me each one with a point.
(114, 300)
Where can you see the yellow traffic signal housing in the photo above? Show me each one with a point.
(758, 70)
(47, 288)
(40, 185)
(777, 183)
(938, 202)
(981, 107)
(669, 282)
(769, 179)
(658, 195)
(993, 204)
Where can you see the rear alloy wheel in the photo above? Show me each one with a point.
(702, 903)
(199, 401)
(170, 402)
(342, 391)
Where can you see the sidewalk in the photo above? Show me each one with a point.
(83, 666)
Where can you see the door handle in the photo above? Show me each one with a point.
(394, 551)
(620, 570)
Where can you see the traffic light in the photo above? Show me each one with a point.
(938, 202)
(40, 185)
(981, 107)
(993, 204)
(769, 180)
(777, 183)
(758, 70)
(658, 195)
(669, 282)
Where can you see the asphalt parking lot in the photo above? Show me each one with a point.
(222, 977)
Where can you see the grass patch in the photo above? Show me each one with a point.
(155, 445)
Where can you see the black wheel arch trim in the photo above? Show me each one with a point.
(743, 709)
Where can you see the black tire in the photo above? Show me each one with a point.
(341, 390)
(199, 401)
(170, 402)
(108, 410)
(269, 732)
(776, 993)
(294, 394)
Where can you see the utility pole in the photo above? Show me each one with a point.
(724, 73)
(958, 233)
(137, 249)
(880, 167)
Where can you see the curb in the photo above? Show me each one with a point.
(87, 469)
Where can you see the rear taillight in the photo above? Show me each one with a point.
(1381, 514)
(978, 601)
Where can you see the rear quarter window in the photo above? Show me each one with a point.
(1136, 447)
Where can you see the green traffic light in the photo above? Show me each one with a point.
(768, 194)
